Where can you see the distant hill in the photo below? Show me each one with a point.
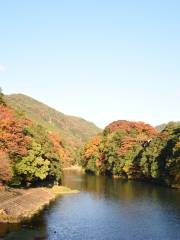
(74, 130)
(162, 126)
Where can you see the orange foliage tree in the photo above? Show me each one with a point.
(12, 137)
(59, 148)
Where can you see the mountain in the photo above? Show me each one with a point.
(74, 131)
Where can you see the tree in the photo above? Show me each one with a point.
(27, 154)
(160, 160)
(59, 148)
(42, 162)
(115, 151)
(5, 168)
(33, 166)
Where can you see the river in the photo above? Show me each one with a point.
(105, 209)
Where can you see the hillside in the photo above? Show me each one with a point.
(73, 130)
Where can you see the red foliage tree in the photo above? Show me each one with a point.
(59, 148)
(12, 138)
(134, 133)
(127, 126)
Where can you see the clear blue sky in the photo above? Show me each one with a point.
(101, 60)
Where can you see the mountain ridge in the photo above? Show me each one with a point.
(74, 130)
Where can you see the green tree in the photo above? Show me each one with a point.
(33, 166)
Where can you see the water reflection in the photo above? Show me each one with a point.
(123, 190)
(105, 209)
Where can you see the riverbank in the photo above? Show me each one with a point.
(17, 205)
(74, 167)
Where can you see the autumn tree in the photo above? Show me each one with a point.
(135, 150)
(116, 153)
(27, 154)
(5, 168)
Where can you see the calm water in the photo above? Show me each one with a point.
(105, 209)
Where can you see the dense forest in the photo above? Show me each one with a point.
(135, 150)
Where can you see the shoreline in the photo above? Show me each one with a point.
(74, 167)
(18, 205)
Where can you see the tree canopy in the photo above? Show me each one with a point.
(28, 152)
(135, 150)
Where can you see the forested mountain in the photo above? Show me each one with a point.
(135, 150)
(73, 131)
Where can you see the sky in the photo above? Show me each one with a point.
(97, 59)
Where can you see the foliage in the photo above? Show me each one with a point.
(12, 137)
(5, 168)
(135, 150)
(59, 148)
(114, 151)
(161, 127)
(73, 131)
(27, 152)
(161, 159)
(33, 166)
